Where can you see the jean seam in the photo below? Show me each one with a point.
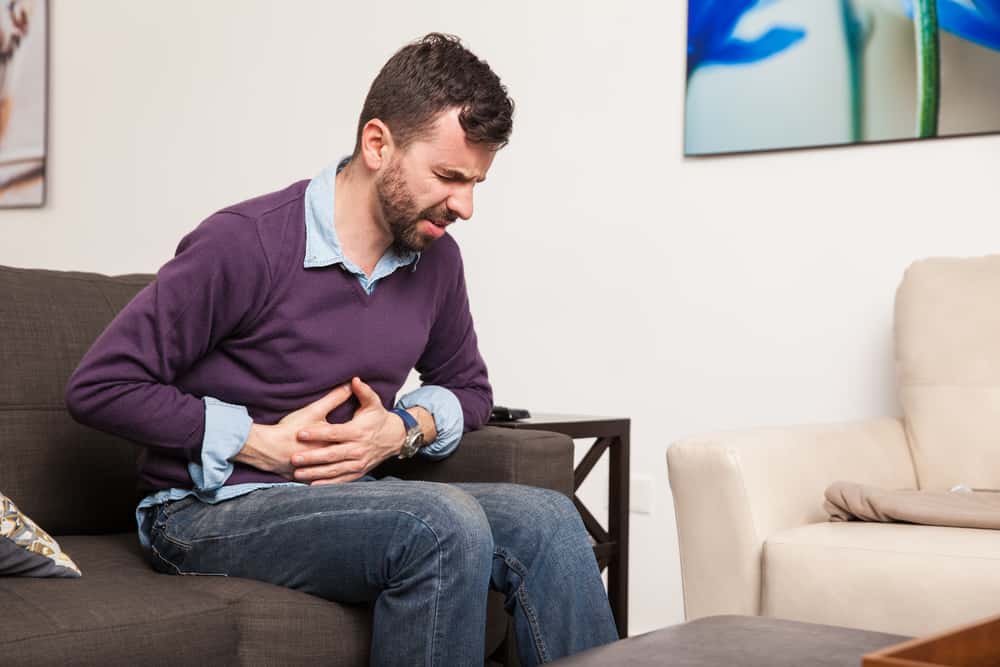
(536, 631)
(175, 541)
(522, 596)
(179, 571)
(160, 525)
(160, 529)
(435, 643)
(164, 559)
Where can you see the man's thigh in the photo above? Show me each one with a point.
(341, 541)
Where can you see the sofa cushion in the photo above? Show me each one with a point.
(68, 478)
(948, 363)
(122, 609)
(27, 550)
(898, 578)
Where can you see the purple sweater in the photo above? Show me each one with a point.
(235, 316)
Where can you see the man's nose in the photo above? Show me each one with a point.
(460, 202)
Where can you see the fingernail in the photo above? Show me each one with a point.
(297, 459)
(303, 434)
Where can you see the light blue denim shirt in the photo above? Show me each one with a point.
(227, 426)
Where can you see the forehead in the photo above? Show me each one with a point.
(445, 146)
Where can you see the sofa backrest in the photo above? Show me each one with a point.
(69, 478)
(948, 367)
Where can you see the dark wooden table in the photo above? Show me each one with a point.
(611, 544)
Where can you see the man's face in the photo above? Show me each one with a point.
(428, 185)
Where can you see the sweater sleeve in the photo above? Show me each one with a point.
(125, 383)
(451, 358)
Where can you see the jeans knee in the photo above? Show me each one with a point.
(453, 526)
(462, 524)
(551, 511)
(551, 523)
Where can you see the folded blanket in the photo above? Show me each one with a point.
(846, 501)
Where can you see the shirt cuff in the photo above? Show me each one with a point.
(226, 430)
(448, 420)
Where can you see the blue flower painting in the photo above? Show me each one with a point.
(975, 20)
(773, 74)
(711, 24)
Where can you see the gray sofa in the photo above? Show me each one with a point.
(79, 485)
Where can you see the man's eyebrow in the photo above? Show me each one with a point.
(455, 173)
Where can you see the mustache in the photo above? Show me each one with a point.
(437, 215)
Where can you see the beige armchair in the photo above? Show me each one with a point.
(754, 538)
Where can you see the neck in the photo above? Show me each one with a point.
(363, 236)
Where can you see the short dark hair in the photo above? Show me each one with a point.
(432, 75)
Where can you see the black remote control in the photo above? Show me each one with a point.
(505, 414)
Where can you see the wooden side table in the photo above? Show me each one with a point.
(611, 544)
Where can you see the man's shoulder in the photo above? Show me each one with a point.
(271, 203)
(268, 218)
(264, 227)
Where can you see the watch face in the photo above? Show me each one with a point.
(414, 441)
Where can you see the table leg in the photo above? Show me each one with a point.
(618, 518)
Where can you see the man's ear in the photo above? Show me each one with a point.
(376, 144)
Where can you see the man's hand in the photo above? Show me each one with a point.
(270, 447)
(346, 452)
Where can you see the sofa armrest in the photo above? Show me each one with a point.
(495, 454)
(732, 490)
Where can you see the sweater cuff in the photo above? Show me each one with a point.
(226, 430)
(448, 420)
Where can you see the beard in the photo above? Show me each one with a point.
(400, 212)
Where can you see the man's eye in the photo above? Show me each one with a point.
(447, 178)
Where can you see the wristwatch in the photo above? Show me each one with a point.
(414, 436)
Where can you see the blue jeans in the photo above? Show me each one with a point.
(424, 553)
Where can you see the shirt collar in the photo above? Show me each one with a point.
(322, 245)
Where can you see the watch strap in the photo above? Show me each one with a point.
(408, 420)
(414, 436)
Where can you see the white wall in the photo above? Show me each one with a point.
(608, 275)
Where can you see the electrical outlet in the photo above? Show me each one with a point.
(641, 494)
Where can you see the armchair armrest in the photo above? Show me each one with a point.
(732, 490)
(495, 454)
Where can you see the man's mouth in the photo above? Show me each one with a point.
(435, 228)
(438, 222)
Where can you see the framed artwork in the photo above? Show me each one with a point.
(23, 102)
(775, 74)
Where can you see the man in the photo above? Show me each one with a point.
(254, 467)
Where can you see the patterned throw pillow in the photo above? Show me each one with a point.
(27, 550)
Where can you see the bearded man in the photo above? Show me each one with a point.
(259, 371)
